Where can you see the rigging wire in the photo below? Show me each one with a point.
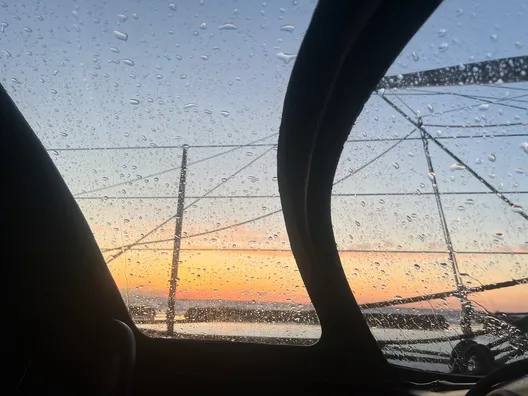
(174, 168)
(246, 221)
(225, 180)
(456, 158)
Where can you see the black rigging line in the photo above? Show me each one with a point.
(367, 140)
(247, 221)
(384, 251)
(405, 104)
(498, 101)
(452, 155)
(174, 168)
(418, 92)
(127, 247)
(374, 159)
(161, 147)
(505, 87)
(480, 126)
(443, 222)
(380, 194)
(481, 98)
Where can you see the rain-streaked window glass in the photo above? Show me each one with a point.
(430, 205)
(163, 119)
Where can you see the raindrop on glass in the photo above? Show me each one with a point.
(287, 28)
(286, 58)
(498, 236)
(456, 167)
(120, 35)
(517, 208)
(443, 47)
(227, 26)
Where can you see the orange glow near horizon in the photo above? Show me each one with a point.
(272, 276)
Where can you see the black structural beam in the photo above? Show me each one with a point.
(504, 70)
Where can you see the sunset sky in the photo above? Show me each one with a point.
(214, 73)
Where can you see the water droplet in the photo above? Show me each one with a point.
(286, 58)
(120, 35)
(494, 37)
(396, 165)
(159, 76)
(524, 146)
(225, 113)
(227, 26)
(203, 25)
(492, 157)
(456, 167)
(172, 7)
(129, 62)
(431, 176)
(133, 101)
(27, 30)
(287, 28)
(519, 170)
(442, 32)
(461, 208)
(204, 57)
(443, 47)
(469, 201)
(411, 154)
(135, 15)
(16, 80)
(190, 105)
(430, 107)
(517, 208)
(415, 56)
(3, 5)
(183, 76)
(417, 267)
(122, 17)
(498, 236)
(114, 50)
(484, 107)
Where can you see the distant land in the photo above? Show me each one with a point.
(183, 305)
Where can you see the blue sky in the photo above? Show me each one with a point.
(215, 73)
